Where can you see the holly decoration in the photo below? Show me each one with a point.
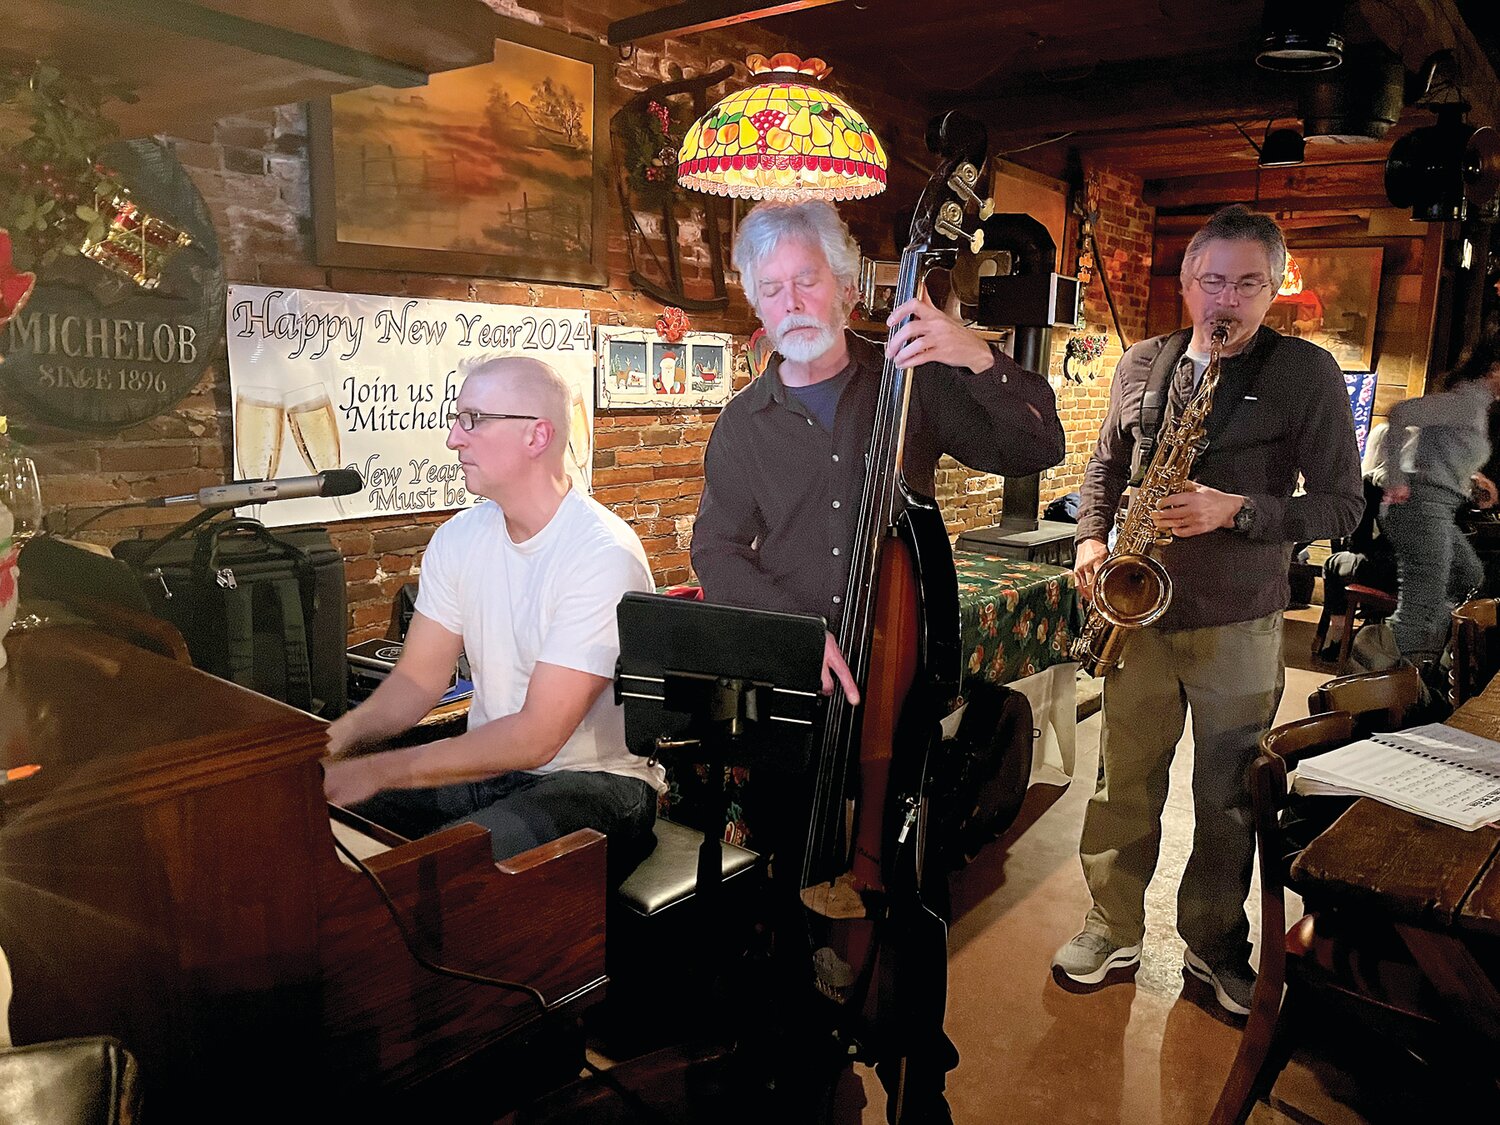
(648, 143)
(672, 325)
(52, 126)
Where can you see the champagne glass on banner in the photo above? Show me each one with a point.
(580, 440)
(315, 430)
(258, 427)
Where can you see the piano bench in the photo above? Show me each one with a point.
(669, 875)
(656, 924)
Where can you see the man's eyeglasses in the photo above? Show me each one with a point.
(468, 419)
(1213, 284)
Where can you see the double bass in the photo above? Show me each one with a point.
(878, 950)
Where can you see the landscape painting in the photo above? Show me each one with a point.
(494, 170)
(1330, 296)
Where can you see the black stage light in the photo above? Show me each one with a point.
(1302, 36)
(1282, 148)
(1443, 170)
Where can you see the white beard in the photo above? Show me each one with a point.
(804, 347)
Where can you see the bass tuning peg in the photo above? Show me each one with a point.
(962, 182)
(948, 223)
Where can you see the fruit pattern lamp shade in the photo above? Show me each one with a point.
(783, 138)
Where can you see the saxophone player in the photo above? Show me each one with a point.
(1280, 410)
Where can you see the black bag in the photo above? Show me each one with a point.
(263, 609)
(980, 778)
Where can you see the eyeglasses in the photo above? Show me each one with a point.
(468, 419)
(1213, 284)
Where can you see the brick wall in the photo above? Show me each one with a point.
(253, 174)
(1124, 233)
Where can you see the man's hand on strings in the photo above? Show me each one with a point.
(932, 336)
(835, 667)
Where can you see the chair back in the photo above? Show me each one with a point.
(1281, 748)
(1475, 648)
(1378, 701)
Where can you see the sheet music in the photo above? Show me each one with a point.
(1436, 771)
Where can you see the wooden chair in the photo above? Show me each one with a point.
(1378, 701)
(1366, 602)
(1475, 642)
(1313, 955)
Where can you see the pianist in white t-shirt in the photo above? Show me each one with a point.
(527, 587)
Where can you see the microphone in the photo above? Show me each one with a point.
(330, 482)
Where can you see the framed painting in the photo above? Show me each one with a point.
(1330, 296)
(638, 370)
(497, 170)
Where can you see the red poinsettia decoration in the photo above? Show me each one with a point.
(672, 325)
(15, 287)
(8, 570)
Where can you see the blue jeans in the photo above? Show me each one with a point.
(522, 810)
(1437, 569)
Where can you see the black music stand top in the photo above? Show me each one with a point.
(708, 683)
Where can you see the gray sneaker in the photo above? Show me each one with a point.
(1090, 957)
(1233, 985)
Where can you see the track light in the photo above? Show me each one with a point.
(1443, 170)
(1301, 37)
(1282, 148)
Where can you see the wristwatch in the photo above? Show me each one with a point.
(1244, 519)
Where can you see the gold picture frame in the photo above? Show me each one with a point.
(497, 170)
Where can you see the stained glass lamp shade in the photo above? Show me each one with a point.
(783, 138)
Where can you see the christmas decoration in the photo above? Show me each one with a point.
(52, 127)
(672, 325)
(135, 244)
(648, 141)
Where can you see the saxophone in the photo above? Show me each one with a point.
(1131, 587)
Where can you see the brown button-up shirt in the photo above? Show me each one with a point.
(781, 497)
(1281, 409)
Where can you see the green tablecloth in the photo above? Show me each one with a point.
(1018, 618)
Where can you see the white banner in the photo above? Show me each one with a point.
(340, 380)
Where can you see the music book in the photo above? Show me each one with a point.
(1436, 771)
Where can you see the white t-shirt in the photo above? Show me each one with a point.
(551, 599)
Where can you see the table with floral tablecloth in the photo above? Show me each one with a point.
(1018, 617)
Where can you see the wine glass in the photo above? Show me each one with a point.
(315, 430)
(21, 492)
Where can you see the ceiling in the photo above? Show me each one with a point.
(1164, 88)
(193, 63)
(1160, 87)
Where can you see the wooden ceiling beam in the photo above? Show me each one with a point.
(1347, 186)
(1415, 29)
(1174, 93)
(260, 38)
(701, 15)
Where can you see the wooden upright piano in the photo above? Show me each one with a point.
(170, 877)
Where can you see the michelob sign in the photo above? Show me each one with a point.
(93, 350)
(337, 380)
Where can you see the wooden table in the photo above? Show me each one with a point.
(1438, 884)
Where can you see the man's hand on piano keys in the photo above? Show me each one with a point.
(348, 781)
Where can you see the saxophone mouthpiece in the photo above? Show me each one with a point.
(1220, 331)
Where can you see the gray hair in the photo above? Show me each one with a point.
(536, 385)
(813, 223)
(1237, 223)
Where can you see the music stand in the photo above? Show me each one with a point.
(721, 686)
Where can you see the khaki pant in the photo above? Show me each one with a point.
(1231, 676)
